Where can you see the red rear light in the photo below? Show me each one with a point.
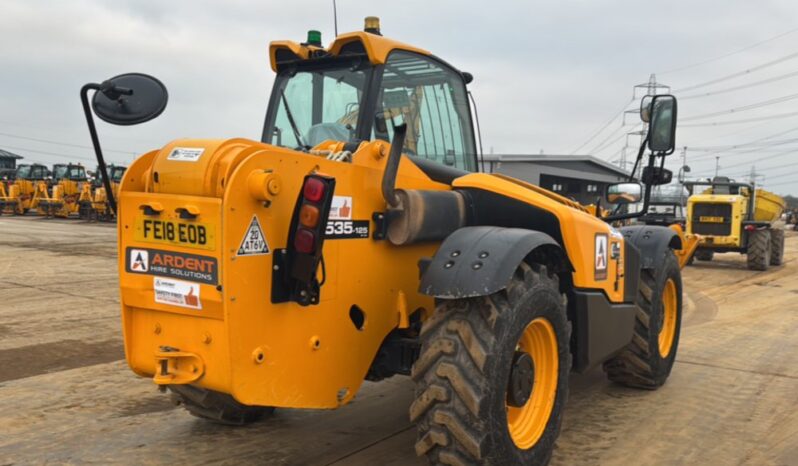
(314, 190)
(304, 241)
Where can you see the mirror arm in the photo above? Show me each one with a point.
(646, 194)
(95, 141)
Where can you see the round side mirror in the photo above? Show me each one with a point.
(130, 99)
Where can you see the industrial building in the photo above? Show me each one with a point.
(8, 160)
(583, 178)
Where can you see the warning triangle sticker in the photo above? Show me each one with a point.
(254, 242)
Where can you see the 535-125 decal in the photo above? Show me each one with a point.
(347, 229)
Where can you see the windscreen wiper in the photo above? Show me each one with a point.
(294, 127)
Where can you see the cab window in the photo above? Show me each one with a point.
(431, 99)
(314, 105)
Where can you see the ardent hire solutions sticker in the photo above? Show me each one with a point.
(191, 267)
(177, 292)
(186, 154)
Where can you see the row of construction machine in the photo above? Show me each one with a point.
(64, 191)
(733, 216)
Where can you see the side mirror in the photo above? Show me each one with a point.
(656, 176)
(624, 193)
(130, 99)
(662, 125)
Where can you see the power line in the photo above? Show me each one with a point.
(745, 120)
(50, 153)
(764, 103)
(603, 127)
(748, 47)
(604, 144)
(743, 86)
(739, 73)
(65, 144)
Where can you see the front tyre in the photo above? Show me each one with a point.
(492, 376)
(647, 360)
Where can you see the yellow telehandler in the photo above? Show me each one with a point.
(96, 206)
(23, 193)
(282, 273)
(70, 187)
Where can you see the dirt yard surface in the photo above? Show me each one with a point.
(66, 395)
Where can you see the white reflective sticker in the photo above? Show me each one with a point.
(254, 242)
(177, 292)
(601, 257)
(186, 154)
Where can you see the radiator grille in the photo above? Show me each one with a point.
(712, 228)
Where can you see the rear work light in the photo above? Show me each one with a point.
(296, 279)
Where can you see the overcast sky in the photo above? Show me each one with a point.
(548, 75)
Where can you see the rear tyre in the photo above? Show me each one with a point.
(776, 246)
(215, 406)
(758, 255)
(492, 375)
(704, 254)
(647, 360)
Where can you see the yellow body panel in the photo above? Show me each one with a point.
(768, 206)
(239, 318)
(578, 229)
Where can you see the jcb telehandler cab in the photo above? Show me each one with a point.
(358, 241)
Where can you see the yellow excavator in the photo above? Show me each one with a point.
(357, 240)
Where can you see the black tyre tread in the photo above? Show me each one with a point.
(758, 254)
(704, 254)
(215, 406)
(636, 366)
(776, 246)
(450, 376)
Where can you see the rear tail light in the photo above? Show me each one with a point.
(314, 189)
(304, 241)
(309, 216)
(749, 228)
(297, 279)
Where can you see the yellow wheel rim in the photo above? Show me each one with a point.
(669, 308)
(527, 423)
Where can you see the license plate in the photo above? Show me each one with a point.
(188, 234)
(710, 219)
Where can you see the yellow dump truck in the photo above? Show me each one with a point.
(736, 217)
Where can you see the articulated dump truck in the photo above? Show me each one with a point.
(736, 217)
(358, 241)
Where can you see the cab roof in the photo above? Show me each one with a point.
(374, 46)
